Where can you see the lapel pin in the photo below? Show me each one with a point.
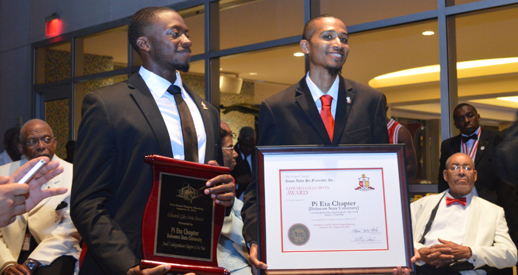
(348, 99)
(204, 106)
(482, 148)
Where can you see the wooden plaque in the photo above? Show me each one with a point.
(181, 225)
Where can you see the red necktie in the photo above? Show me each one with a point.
(326, 115)
(450, 201)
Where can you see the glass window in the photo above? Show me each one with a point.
(56, 115)
(487, 68)
(413, 97)
(194, 18)
(195, 78)
(460, 2)
(250, 22)
(82, 88)
(260, 74)
(53, 63)
(354, 12)
(102, 52)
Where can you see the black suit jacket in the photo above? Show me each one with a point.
(121, 124)
(292, 118)
(504, 162)
(242, 169)
(487, 180)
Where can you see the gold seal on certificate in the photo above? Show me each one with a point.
(298, 234)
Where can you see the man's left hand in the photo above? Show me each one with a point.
(221, 189)
(458, 251)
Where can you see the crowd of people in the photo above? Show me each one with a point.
(86, 218)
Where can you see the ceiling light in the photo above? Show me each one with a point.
(252, 73)
(298, 54)
(509, 98)
(465, 69)
(427, 33)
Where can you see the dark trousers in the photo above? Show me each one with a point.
(431, 270)
(63, 265)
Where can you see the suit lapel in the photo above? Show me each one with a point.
(473, 221)
(455, 145)
(342, 109)
(206, 117)
(307, 104)
(145, 101)
(482, 146)
(53, 183)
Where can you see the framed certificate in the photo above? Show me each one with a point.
(333, 210)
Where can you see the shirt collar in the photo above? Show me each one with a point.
(157, 84)
(475, 133)
(316, 93)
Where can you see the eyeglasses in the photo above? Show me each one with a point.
(231, 147)
(32, 142)
(456, 168)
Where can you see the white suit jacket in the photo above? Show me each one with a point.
(52, 229)
(486, 232)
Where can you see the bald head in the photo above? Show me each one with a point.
(460, 174)
(37, 139)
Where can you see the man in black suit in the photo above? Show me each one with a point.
(476, 142)
(480, 145)
(303, 114)
(245, 149)
(122, 124)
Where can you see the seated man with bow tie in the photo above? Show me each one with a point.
(456, 232)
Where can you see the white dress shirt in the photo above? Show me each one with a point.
(167, 106)
(316, 93)
(450, 224)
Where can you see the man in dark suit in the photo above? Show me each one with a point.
(480, 145)
(245, 149)
(476, 142)
(122, 124)
(303, 114)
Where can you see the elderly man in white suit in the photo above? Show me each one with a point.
(457, 232)
(55, 246)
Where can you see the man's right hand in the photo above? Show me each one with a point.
(437, 257)
(158, 270)
(16, 269)
(256, 264)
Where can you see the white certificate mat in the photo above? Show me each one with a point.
(334, 208)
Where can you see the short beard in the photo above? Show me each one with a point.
(334, 71)
(159, 57)
(182, 67)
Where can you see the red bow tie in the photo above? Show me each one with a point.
(450, 201)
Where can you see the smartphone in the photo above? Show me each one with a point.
(32, 172)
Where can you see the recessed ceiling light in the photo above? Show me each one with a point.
(298, 54)
(428, 33)
(221, 69)
(252, 73)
